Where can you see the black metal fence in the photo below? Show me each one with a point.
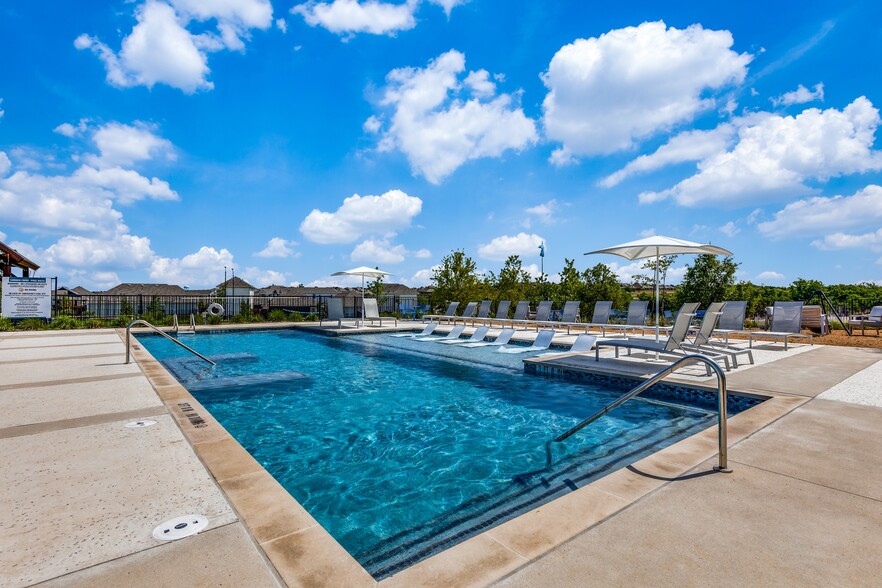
(111, 307)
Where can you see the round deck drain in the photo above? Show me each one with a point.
(180, 527)
(140, 424)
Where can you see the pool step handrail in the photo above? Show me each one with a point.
(721, 391)
(172, 339)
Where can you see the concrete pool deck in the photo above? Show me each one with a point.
(82, 493)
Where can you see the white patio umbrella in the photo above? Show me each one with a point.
(656, 246)
(363, 271)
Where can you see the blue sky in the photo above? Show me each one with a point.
(162, 140)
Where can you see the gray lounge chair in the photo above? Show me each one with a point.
(483, 315)
(478, 335)
(543, 311)
(502, 310)
(786, 323)
(425, 332)
(447, 316)
(731, 320)
(504, 337)
(569, 317)
(637, 311)
(689, 307)
(520, 313)
(467, 313)
(704, 343)
(582, 344)
(672, 346)
(600, 316)
(372, 312)
(541, 343)
(872, 320)
(454, 333)
(335, 313)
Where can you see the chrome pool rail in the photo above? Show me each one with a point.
(721, 390)
(172, 339)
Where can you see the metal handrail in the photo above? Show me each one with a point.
(172, 339)
(721, 389)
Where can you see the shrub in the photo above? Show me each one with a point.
(6, 324)
(65, 322)
(277, 316)
(31, 324)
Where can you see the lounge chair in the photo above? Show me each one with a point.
(502, 311)
(672, 346)
(600, 316)
(520, 313)
(543, 312)
(541, 343)
(335, 312)
(467, 313)
(703, 342)
(569, 317)
(731, 320)
(372, 312)
(582, 344)
(447, 316)
(786, 323)
(478, 335)
(454, 333)
(813, 318)
(484, 309)
(637, 311)
(872, 320)
(504, 337)
(425, 332)
(689, 307)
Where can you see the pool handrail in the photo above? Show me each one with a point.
(172, 339)
(721, 390)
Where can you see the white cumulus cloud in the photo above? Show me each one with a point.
(770, 276)
(203, 268)
(820, 215)
(775, 156)
(730, 229)
(440, 122)
(384, 251)
(840, 240)
(277, 247)
(161, 50)
(262, 278)
(347, 17)
(361, 215)
(800, 95)
(607, 93)
(526, 245)
(124, 145)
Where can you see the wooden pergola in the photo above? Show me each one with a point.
(10, 259)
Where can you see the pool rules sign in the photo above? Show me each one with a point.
(26, 298)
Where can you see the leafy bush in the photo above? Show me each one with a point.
(31, 324)
(65, 322)
(277, 316)
(6, 324)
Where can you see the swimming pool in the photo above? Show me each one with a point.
(401, 449)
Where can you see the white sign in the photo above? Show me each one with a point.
(26, 298)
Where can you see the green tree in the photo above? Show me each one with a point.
(601, 283)
(664, 264)
(708, 279)
(802, 289)
(571, 285)
(512, 282)
(376, 288)
(457, 280)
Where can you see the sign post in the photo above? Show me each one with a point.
(26, 298)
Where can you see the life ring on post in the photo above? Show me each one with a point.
(215, 309)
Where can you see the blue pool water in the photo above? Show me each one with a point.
(401, 449)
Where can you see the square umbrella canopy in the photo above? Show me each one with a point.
(363, 271)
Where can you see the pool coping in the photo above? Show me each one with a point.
(304, 553)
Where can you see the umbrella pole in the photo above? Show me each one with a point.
(656, 294)
(362, 299)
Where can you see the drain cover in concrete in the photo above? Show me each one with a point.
(180, 527)
(140, 424)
